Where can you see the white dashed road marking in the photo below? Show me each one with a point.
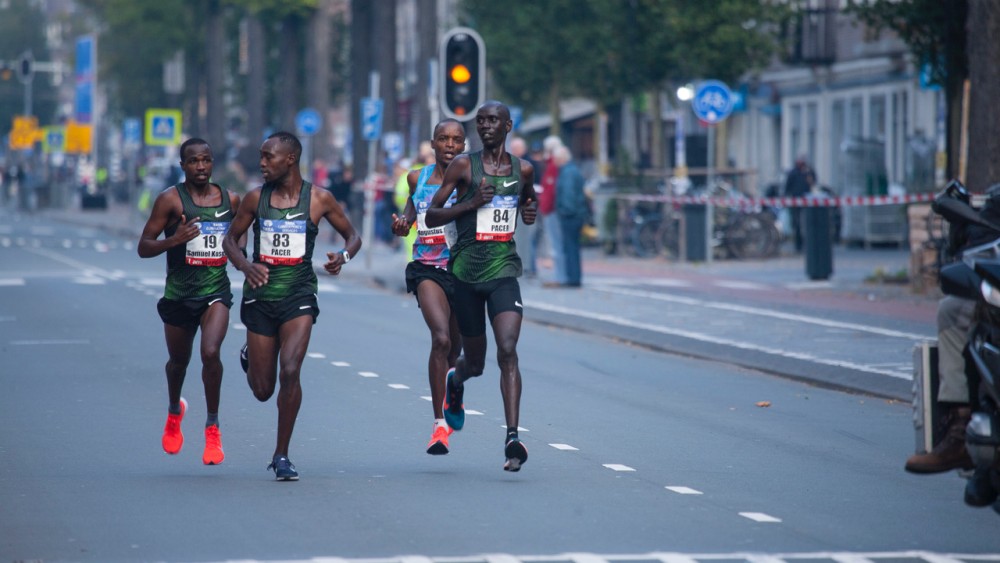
(398, 386)
(684, 490)
(341, 364)
(367, 374)
(759, 517)
(618, 467)
(565, 447)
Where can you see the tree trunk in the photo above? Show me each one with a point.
(256, 91)
(983, 49)
(215, 55)
(554, 110)
(361, 66)
(289, 97)
(383, 45)
(428, 38)
(318, 54)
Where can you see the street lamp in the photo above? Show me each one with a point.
(685, 93)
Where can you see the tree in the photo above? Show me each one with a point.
(983, 168)
(934, 30)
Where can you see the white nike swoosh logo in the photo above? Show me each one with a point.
(250, 301)
(518, 304)
(509, 184)
(293, 215)
(306, 307)
(218, 214)
(210, 303)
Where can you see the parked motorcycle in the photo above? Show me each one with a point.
(977, 277)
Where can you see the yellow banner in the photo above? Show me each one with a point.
(79, 137)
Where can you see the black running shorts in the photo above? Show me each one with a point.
(497, 296)
(266, 317)
(186, 313)
(418, 272)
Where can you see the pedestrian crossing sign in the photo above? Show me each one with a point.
(163, 127)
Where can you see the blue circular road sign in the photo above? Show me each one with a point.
(713, 101)
(308, 121)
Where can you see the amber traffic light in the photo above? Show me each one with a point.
(463, 72)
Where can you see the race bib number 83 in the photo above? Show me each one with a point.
(282, 242)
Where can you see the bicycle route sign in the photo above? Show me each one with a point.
(712, 102)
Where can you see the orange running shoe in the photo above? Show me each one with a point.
(172, 437)
(213, 446)
(439, 441)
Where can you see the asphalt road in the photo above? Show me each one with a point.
(636, 454)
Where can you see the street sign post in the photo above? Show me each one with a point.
(392, 142)
(308, 122)
(371, 118)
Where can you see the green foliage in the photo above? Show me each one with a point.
(22, 28)
(139, 35)
(934, 30)
(608, 49)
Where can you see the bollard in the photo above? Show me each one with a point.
(696, 244)
(818, 242)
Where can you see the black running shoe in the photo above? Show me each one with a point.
(516, 455)
(244, 359)
(283, 469)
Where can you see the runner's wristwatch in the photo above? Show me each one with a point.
(347, 255)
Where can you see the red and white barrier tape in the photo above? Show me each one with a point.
(847, 201)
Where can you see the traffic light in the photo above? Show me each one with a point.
(26, 67)
(5, 71)
(463, 73)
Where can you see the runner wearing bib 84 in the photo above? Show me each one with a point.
(491, 187)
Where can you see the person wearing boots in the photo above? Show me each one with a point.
(954, 322)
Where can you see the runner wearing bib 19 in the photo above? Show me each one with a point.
(491, 186)
(193, 216)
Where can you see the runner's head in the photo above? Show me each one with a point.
(448, 141)
(493, 123)
(196, 161)
(279, 156)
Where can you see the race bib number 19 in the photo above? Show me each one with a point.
(496, 221)
(282, 242)
(206, 248)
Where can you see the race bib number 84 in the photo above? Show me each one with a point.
(496, 220)
(282, 242)
(206, 248)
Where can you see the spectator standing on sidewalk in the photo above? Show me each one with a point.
(547, 209)
(528, 237)
(571, 209)
(799, 182)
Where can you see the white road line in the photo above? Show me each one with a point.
(759, 517)
(683, 490)
(618, 467)
(474, 413)
(767, 313)
(565, 447)
(88, 280)
(702, 337)
(427, 398)
(730, 284)
(764, 559)
(673, 558)
(850, 558)
(504, 426)
(10, 282)
(398, 386)
(367, 374)
(316, 355)
(586, 558)
(340, 364)
(327, 288)
(53, 341)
